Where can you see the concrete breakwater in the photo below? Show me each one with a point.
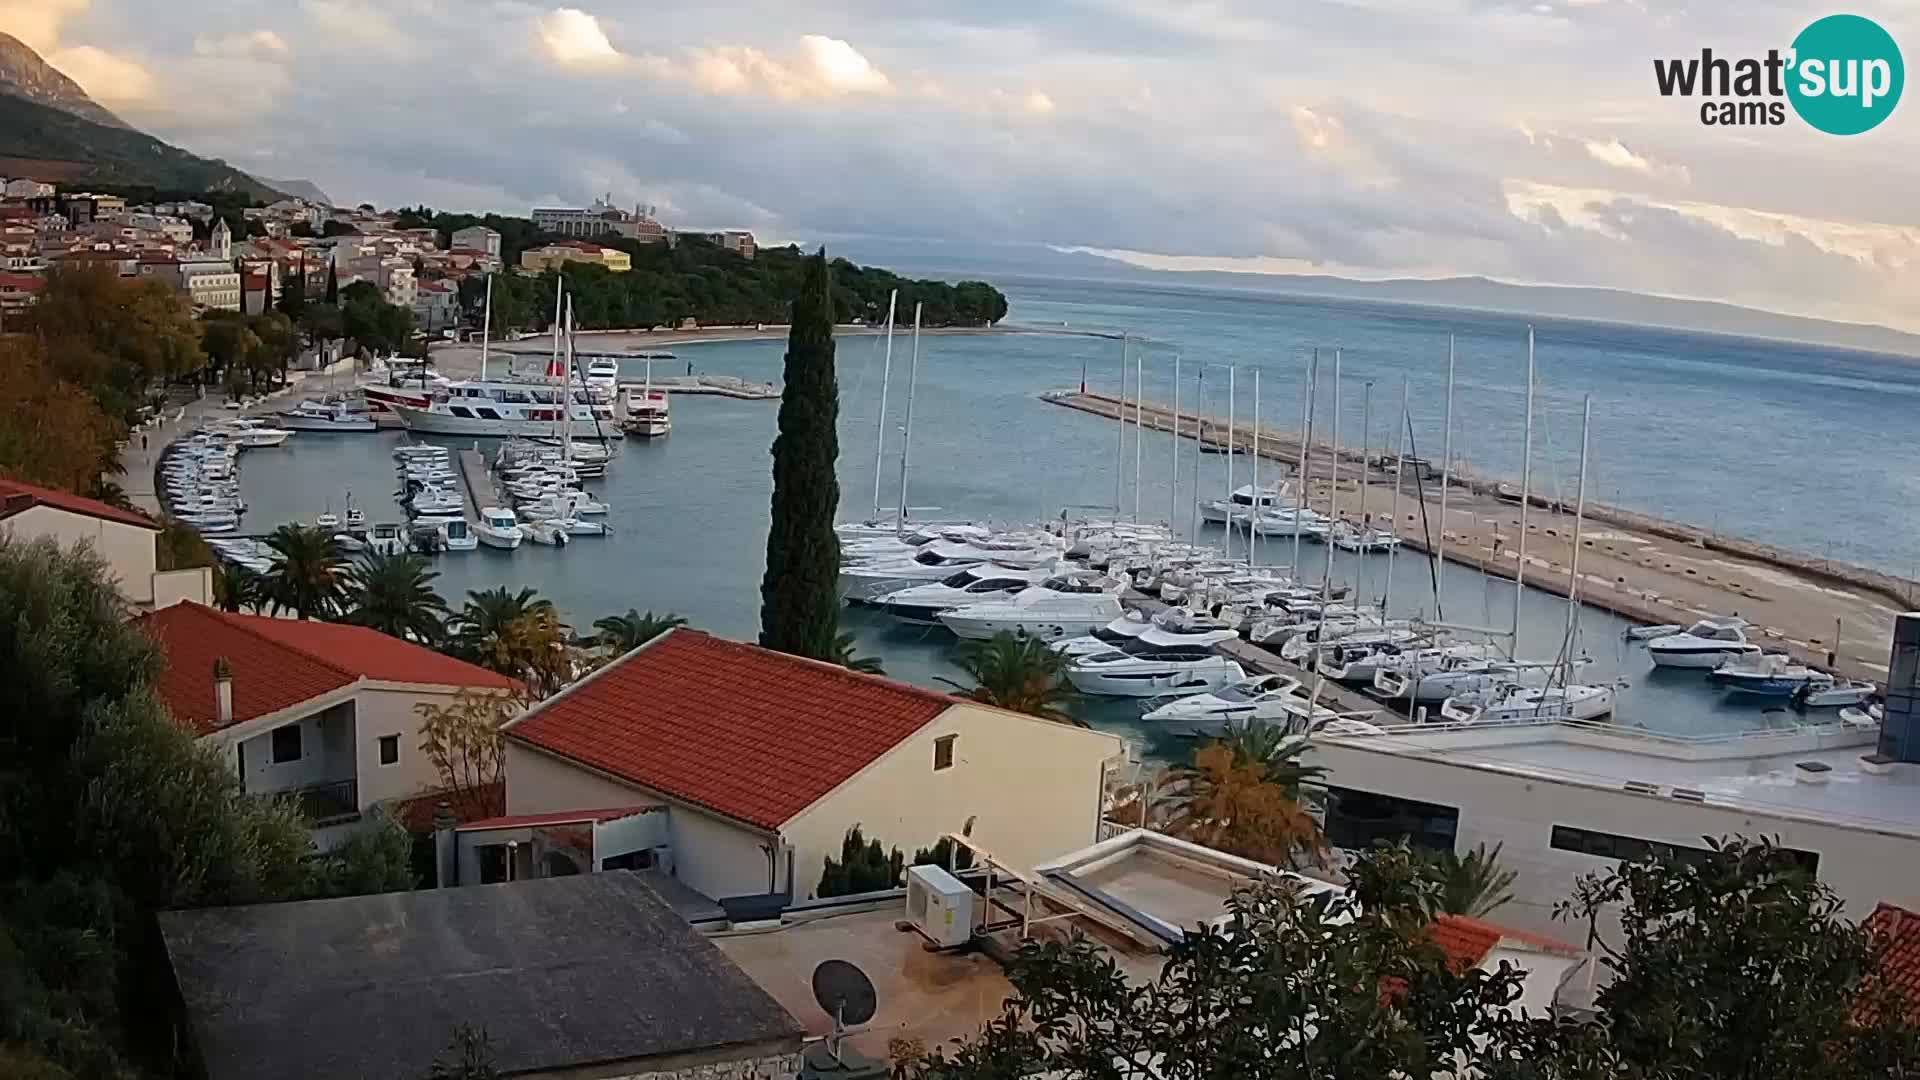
(1634, 564)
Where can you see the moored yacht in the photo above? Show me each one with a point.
(1244, 503)
(324, 417)
(1157, 664)
(1512, 703)
(973, 585)
(498, 528)
(1279, 699)
(867, 582)
(648, 414)
(496, 408)
(1706, 644)
(456, 536)
(1060, 607)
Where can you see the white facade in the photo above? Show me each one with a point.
(602, 217)
(436, 306)
(477, 238)
(1490, 787)
(28, 189)
(211, 284)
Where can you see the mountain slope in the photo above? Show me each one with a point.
(24, 75)
(81, 151)
(299, 189)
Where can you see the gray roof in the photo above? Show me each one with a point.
(561, 972)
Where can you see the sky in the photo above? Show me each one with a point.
(1522, 141)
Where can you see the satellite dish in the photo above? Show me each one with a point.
(844, 991)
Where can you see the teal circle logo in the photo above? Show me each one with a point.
(1846, 75)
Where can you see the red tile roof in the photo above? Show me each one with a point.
(752, 734)
(279, 663)
(1465, 941)
(1897, 932)
(16, 496)
(558, 817)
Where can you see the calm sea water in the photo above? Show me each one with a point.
(1794, 445)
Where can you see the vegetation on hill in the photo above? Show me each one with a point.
(114, 155)
(23, 74)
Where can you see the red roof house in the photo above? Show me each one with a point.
(125, 540)
(17, 496)
(1896, 932)
(766, 760)
(309, 706)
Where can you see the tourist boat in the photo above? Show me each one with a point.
(456, 536)
(973, 585)
(498, 528)
(1362, 541)
(497, 408)
(1706, 644)
(1157, 664)
(1512, 702)
(1273, 698)
(647, 414)
(1060, 607)
(1243, 504)
(324, 416)
(1765, 675)
(603, 372)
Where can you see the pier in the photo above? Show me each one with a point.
(1639, 567)
(481, 491)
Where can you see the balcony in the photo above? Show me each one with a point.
(334, 803)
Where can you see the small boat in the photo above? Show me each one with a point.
(1276, 698)
(387, 539)
(1831, 693)
(456, 536)
(1362, 541)
(1859, 718)
(579, 526)
(328, 520)
(1706, 644)
(498, 528)
(544, 532)
(1768, 675)
(1648, 633)
(325, 417)
(434, 500)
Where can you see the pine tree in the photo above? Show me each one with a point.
(333, 283)
(799, 605)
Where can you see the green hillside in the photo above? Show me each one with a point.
(111, 155)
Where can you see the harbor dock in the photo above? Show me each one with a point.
(1635, 565)
(479, 485)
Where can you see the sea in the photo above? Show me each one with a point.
(1802, 446)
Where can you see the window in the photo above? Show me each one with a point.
(1605, 845)
(389, 749)
(286, 744)
(943, 752)
(1356, 820)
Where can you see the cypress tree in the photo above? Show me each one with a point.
(333, 283)
(293, 294)
(799, 602)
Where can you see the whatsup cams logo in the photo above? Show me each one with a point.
(1843, 75)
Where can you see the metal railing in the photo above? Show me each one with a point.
(321, 803)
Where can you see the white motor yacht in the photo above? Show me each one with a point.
(387, 539)
(1245, 503)
(456, 536)
(1279, 699)
(579, 526)
(325, 417)
(1430, 684)
(1060, 607)
(1157, 664)
(429, 501)
(1511, 702)
(498, 528)
(544, 532)
(250, 434)
(1128, 626)
(1706, 644)
(567, 504)
(865, 583)
(603, 372)
(1284, 523)
(649, 415)
(974, 585)
(1349, 660)
(1348, 537)
(497, 408)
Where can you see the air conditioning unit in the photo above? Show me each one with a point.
(940, 906)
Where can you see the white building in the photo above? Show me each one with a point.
(757, 763)
(1567, 799)
(600, 218)
(25, 188)
(125, 541)
(209, 283)
(477, 238)
(322, 711)
(436, 305)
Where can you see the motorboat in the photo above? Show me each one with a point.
(328, 520)
(603, 372)
(1363, 541)
(498, 528)
(648, 414)
(1648, 633)
(1286, 523)
(1279, 699)
(867, 582)
(355, 517)
(1766, 675)
(1243, 504)
(544, 532)
(579, 526)
(435, 500)
(1157, 664)
(973, 585)
(250, 434)
(1060, 607)
(421, 451)
(1361, 661)
(1859, 719)
(1706, 644)
(325, 417)
(1839, 693)
(1512, 702)
(856, 547)
(387, 539)
(1120, 631)
(1424, 685)
(456, 536)
(569, 504)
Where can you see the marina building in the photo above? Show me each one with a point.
(1565, 799)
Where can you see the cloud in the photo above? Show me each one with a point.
(574, 38)
(258, 43)
(819, 67)
(111, 79)
(1614, 153)
(38, 22)
(357, 23)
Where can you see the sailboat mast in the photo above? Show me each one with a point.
(1199, 430)
(1173, 467)
(1333, 495)
(880, 421)
(486, 328)
(906, 437)
(1231, 372)
(566, 391)
(1526, 497)
(1253, 512)
(1446, 479)
(1139, 404)
(1393, 516)
(1366, 434)
(1579, 519)
(1306, 441)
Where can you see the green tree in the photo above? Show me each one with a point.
(864, 866)
(620, 634)
(52, 432)
(332, 294)
(394, 594)
(1276, 751)
(1240, 807)
(238, 588)
(1017, 672)
(799, 607)
(516, 634)
(845, 652)
(108, 813)
(310, 577)
(376, 859)
(461, 739)
(293, 290)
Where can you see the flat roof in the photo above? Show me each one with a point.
(931, 996)
(1753, 771)
(561, 972)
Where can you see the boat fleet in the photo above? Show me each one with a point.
(1719, 646)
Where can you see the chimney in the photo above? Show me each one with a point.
(222, 692)
(1900, 726)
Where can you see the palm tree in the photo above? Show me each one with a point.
(843, 646)
(1267, 744)
(309, 577)
(1474, 884)
(1019, 673)
(394, 594)
(516, 634)
(239, 588)
(621, 634)
(1234, 806)
(485, 622)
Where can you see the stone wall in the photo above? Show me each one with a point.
(772, 1067)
